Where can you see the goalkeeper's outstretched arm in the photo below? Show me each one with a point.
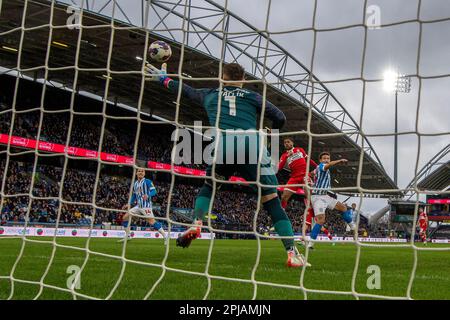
(173, 86)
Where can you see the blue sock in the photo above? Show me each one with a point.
(125, 223)
(347, 216)
(315, 231)
(157, 225)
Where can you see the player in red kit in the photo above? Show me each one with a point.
(423, 225)
(294, 159)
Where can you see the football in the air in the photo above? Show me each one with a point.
(159, 51)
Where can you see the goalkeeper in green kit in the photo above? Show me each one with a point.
(238, 112)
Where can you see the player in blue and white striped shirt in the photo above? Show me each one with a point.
(323, 198)
(141, 203)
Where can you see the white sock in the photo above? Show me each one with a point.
(293, 249)
(161, 230)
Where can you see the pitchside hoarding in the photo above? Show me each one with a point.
(85, 233)
(102, 233)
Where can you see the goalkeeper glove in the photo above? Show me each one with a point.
(155, 73)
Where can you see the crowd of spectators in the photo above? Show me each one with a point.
(232, 208)
(119, 135)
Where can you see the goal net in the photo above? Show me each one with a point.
(78, 118)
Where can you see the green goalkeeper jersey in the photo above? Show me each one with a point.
(239, 108)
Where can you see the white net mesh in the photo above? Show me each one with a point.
(37, 47)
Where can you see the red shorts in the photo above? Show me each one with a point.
(295, 180)
(309, 216)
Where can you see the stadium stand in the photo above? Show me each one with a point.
(114, 186)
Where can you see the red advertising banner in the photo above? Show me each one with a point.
(178, 169)
(60, 148)
(85, 153)
(439, 201)
(439, 217)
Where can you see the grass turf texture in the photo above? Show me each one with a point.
(332, 269)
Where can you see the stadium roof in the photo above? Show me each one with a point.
(438, 179)
(123, 82)
(435, 174)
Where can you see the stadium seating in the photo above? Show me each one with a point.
(234, 210)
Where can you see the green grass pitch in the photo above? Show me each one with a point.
(332, 269)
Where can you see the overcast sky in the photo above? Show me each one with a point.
(339, 55)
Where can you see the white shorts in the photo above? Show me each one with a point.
(143, 212)
(321, 202)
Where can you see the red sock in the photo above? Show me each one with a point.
(325, 230)
(284, 204)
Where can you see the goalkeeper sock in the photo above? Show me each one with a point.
(125, 224)
(315, 231)
(347, 216)
(280, 221)
(202, 202)
(284, 204)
